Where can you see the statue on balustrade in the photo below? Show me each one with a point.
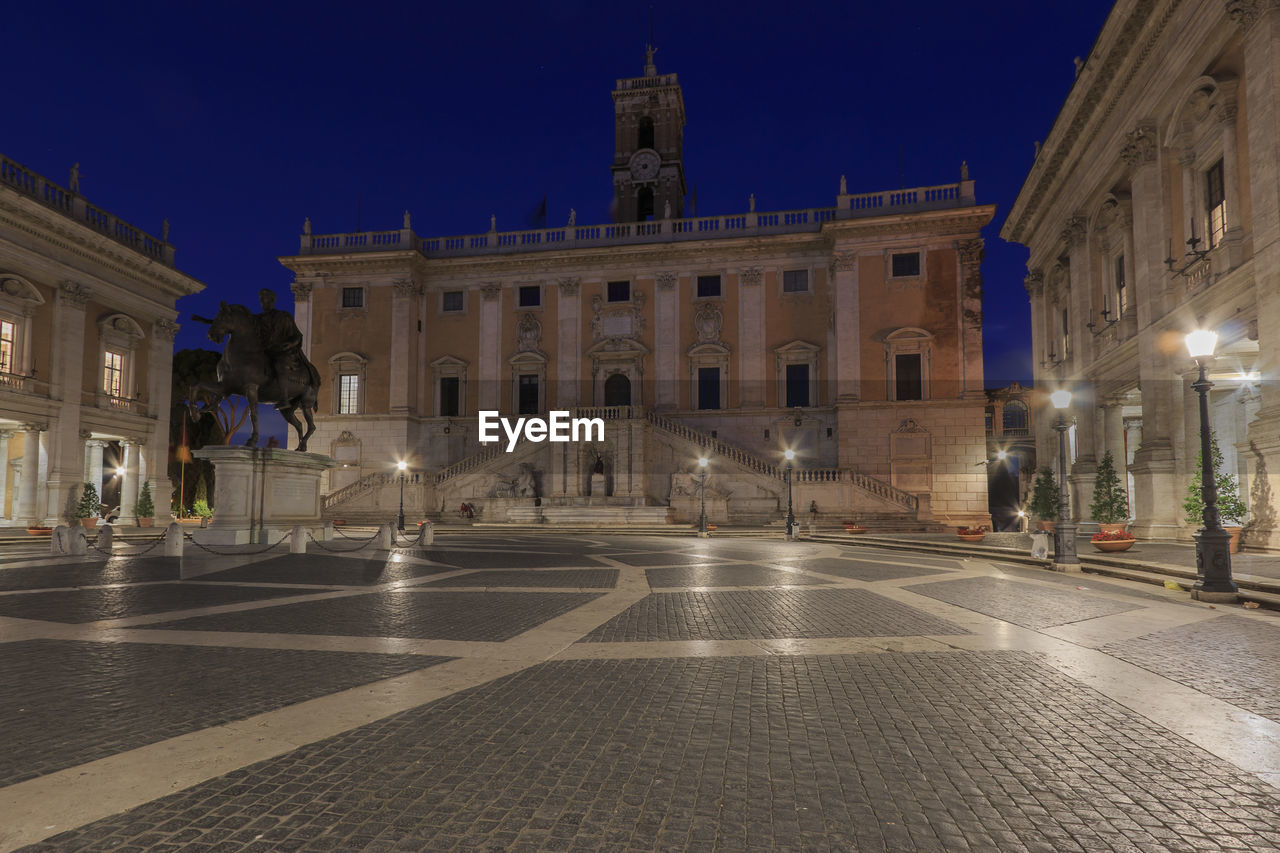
(262, 362)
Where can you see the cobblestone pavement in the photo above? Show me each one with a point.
(1234, 659)
(770, 696)
(1022, 603)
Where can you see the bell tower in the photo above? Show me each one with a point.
(648, 158)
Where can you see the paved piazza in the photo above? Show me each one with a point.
(625, 693)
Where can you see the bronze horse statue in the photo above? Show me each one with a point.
(248, 369)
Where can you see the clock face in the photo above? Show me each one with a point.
(644, 165)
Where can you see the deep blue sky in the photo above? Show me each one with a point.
(237, 120)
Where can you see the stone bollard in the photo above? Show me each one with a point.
(427, 533)
(173, 540)
(328, 531)
(298, 540)
(106, 538)
(386, 537)
(56, 546)
(76, 541)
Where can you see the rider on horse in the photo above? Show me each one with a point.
(282, 340)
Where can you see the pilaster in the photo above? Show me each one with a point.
(751, 337)
(848, 328)
(666, 341)
(490, 346)
(569, 347)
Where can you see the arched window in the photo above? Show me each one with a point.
(617, 390)
(1014, 420)
(644, 139)
(644, 205)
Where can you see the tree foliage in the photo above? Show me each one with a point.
(1110, 499)
(88, 506)
(1231, 508)
(1044, 496)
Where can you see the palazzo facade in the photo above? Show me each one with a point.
(86, 351)
(1153, 209)
(849, 332)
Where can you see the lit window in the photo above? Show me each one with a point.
(353, 297)
(708, 286)
(1122, 296)
(905, 264)
(1066, 334)
(530, 296)
(795, 281)
(349, 394)
(8, 335)
(451, 301)
(1216, 204)
(619, 291)
(113, 374)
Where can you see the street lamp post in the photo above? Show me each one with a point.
(402, 465)
(791, 516)
(1064, 532)
(1213, 544)
(702, 491)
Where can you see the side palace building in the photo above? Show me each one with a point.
(1153, 209)
(849, 332)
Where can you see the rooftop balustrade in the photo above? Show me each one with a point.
(751, 224)
(74, 206)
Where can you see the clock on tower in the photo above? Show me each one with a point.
(648, 158)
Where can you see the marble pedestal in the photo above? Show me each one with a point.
(260, 491)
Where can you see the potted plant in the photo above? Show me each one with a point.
(37, 530)
(1110, 506)
(972, 534)
(201, 510)
(854, 527)
(145, 508)
(1231, 509)
(1045, 499)
(1118, 540)
(88, 507)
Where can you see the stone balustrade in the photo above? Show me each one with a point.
(751, 224)
(73, 205)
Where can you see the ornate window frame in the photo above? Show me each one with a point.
(448, 366)
(906, 341)
(524, 364)
(1113, 239)
(797, 352)
(19, 301)
(119, 334)
(348, 363)
(1201, 133)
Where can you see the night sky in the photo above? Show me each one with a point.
(236, 121)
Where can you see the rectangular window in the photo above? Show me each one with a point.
(1066, 335)
(908, 381)
(619, 291)
(1216, 204)
(905, 264)
(708, 387)
(797, 385)
(795, 281)
(8, 338)
(451, 301)
(449, 388)
(708, 285)
(349, 394)
(113, 374)
(530, 296)
(1122, 296)
(528, 394)
(353, 297)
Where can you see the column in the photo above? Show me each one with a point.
(971, 253)
(129, 483)
(93, 459)
(1113, 437)
(159, 383)
(1132, 440)
(666, 342)
(750, 375)
(26, 511)
(1234, 240)
(569, 345)
(5, 435)
(65, 468)
(403, 318)
(490, 346)
(302, 312)
(848, 329)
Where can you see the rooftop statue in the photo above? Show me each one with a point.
(262, 362)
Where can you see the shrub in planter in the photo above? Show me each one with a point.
(145, 508)
(1044, 496)
(88, 507)
(1111, 536)
(972, 534)
(1230, 507)
(201, 508)
(1110, 499)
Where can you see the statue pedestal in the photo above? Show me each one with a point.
(599, 488)
(259, 489)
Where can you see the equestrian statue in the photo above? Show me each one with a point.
(262, 362)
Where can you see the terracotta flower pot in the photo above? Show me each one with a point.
(40, 531)
(88, 523)
(1046, 526)
(972, 537)
(143, 521)
(855, 528)
(1234, 547)
(1115, 545)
